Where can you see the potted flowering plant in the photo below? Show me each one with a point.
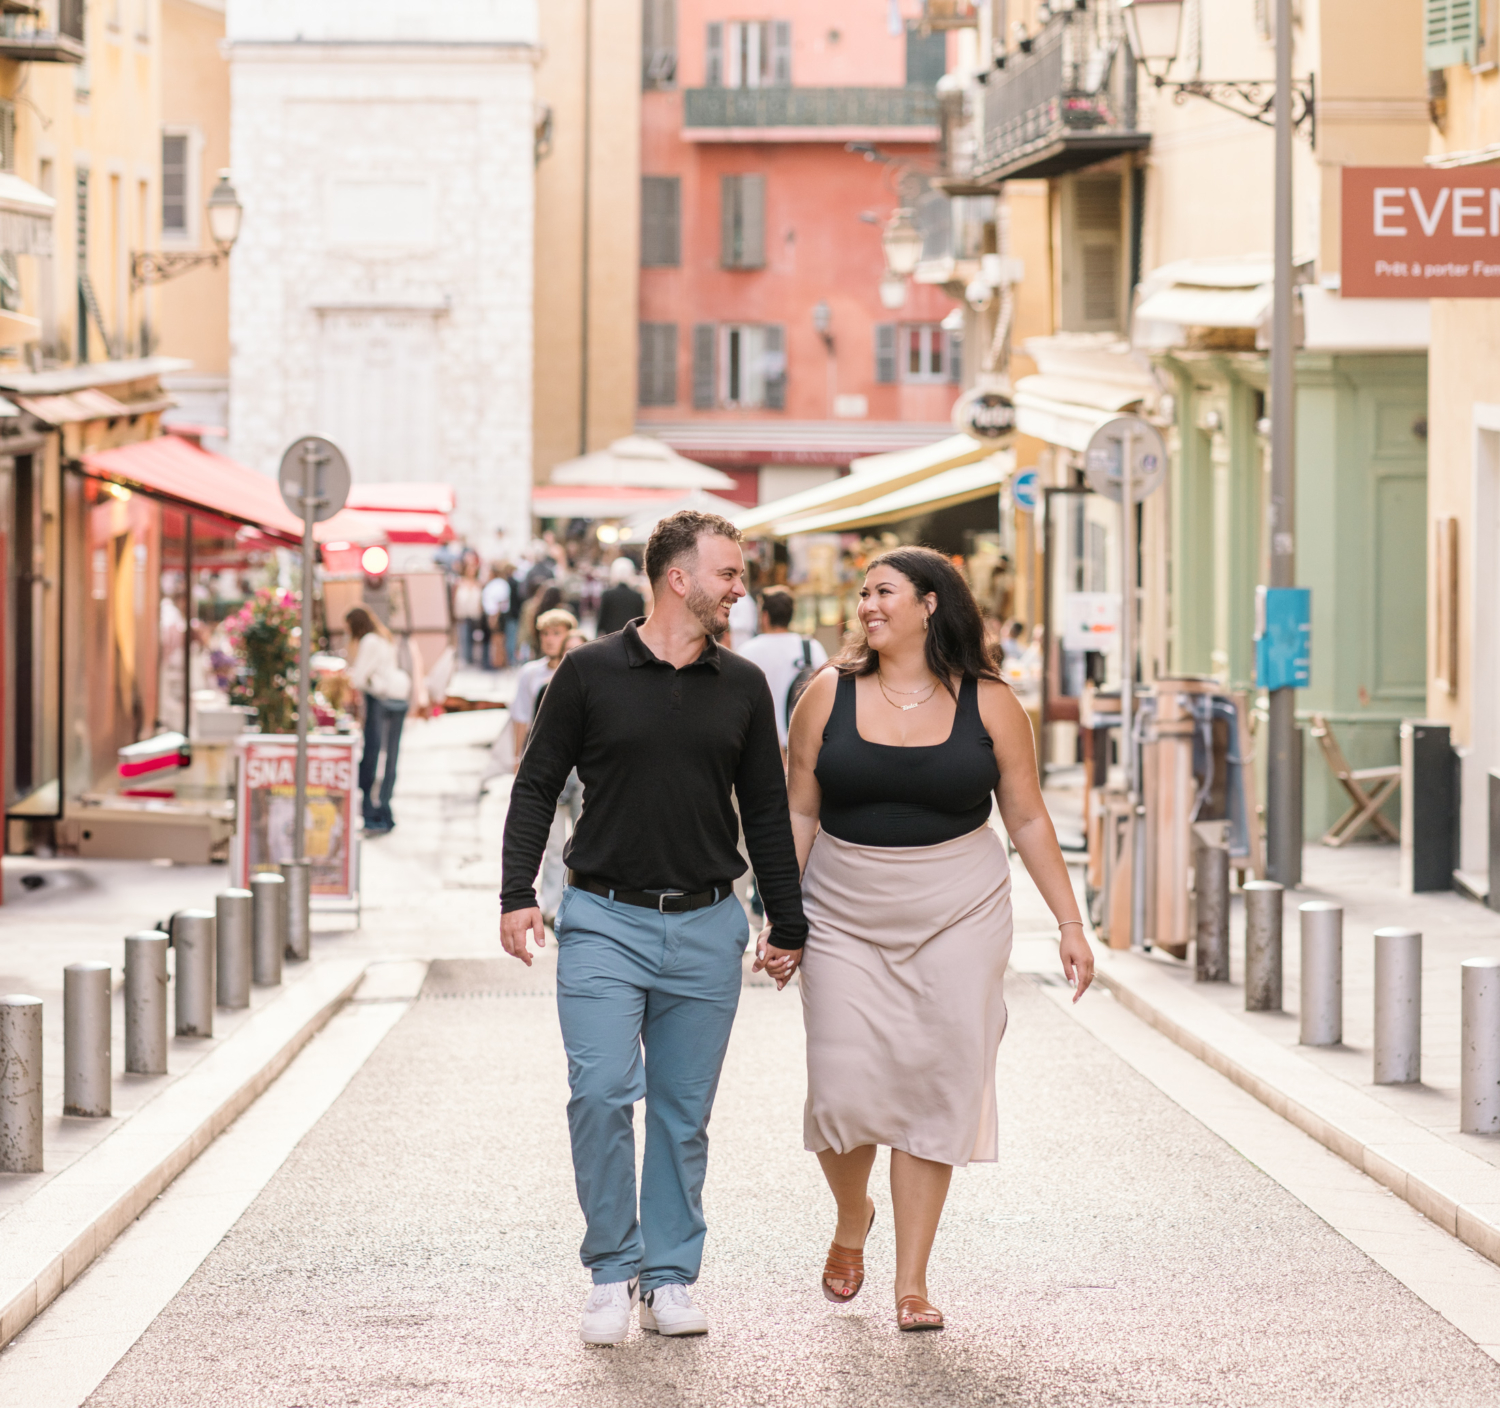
(264, 635)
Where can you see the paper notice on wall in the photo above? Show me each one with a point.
(1091, 620)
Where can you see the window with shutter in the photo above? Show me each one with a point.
(926, 56)
(658, 364)
(774, 361)
(174, 182)
(742, 217)
(658, 43)
(713, 68)
(661, 222)
(1093, 254)
(885, 353)
(703, 366)
(7, 136)
(1450, 32)
(781, 54)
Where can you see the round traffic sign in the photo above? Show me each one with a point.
(1106, 452)
(316, 468)
(1023, 490)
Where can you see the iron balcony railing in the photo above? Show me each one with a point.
(810, 107)
(1076, 82)
(42, 31)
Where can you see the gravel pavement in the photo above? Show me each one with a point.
(419, 1248)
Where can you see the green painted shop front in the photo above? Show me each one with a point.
(1361, 541)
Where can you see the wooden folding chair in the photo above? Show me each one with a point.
(1368, 789)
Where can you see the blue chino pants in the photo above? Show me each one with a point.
(627, 979)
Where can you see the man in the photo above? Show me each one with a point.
(663, 727)
(621, 603)
(778, 652)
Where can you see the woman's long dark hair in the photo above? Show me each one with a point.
(955, 643)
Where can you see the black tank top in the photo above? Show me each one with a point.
(880, 794)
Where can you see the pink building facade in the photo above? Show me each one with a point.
(765, 347)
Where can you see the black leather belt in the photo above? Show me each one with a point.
(668, 902)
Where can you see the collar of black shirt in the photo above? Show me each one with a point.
(637, 652)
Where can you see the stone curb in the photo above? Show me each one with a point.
(1454, 1189)
(48, 1242)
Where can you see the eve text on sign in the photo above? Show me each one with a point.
(1411, 232)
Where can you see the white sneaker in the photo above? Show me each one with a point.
(606, 1313)
(669, 1310)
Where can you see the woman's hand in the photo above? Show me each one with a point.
(1077, 959)
(780, 963)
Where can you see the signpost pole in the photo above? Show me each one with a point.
(312, 461)
(1127, 676)
(1283, 794)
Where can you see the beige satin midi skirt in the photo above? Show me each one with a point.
(903, 995)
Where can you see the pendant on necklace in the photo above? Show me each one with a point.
(917, 705)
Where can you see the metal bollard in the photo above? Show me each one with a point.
(20, 1084)
(1479, 1082)
(86, 1039)
(1211, 903)
(146, 1003)
(1398, 1007)
(298, 877)
(234, 918)
(269, 926)
(1262, 946)
(1322, 989)
(193, 938)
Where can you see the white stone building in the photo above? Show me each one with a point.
(381, 291)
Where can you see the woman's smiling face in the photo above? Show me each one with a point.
(890, 610)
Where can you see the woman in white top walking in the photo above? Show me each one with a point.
(387, 694)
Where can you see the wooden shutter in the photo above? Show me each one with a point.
(775, 367)
(713, 68)
(1093, 254)
(703, 366)
(781, 54)
(1450, 34)
(729, 222)
(752, 222)
(955, 357)
(658, 360)
(885, 353)
(661, 222)
(174, 174)
(926, 56)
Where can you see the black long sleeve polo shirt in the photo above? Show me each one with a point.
(662, 753)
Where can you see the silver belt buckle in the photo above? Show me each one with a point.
(666, 895)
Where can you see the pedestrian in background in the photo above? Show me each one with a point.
(896, 754)
(386, 688)
(494, 603)
(552, 629)
(620, 603)
(782, 656)
(469, 613)
(667, 731)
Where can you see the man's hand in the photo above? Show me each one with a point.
(780, 963)
(515, 924)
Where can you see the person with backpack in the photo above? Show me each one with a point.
(787, 660)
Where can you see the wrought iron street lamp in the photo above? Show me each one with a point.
(1155, 29)
(224, 216)
(903, 243)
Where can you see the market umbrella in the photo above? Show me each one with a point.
(638, 461)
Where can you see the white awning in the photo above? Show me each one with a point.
(868, 479)
(25, 216)
(1064, 423)
(1334, 324)
(953, 486)
(1084, 379)
(638, 461)
(1202, 293)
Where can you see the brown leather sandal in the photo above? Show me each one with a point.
(845, 1264)
(914, 1313)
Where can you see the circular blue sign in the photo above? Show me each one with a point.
(1023, 490)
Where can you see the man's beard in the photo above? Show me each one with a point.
(705, 607)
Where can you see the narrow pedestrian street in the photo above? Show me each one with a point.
(418, 1246)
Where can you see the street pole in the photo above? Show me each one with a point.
(1283, 795)
(312, 460)
(1127, 683)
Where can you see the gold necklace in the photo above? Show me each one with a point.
(931, 690)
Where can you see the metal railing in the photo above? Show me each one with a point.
(1077, 77)
(810, 107)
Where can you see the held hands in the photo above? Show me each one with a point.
(514, 927)
(1077, 958)
(780, 963)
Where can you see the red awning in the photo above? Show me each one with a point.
(175, 468)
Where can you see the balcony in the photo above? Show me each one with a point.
(42, 31)
(810, 114)
(1066, 104)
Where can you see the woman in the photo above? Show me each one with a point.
(468, 611)
(387, 695)
(894, 755)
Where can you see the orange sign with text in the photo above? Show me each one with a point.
(1411, 232)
